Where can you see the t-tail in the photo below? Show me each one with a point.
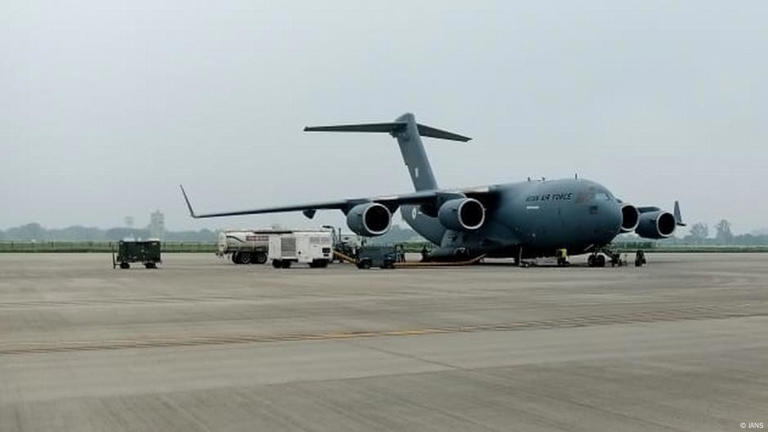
(408, 134)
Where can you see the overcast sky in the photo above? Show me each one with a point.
(105, 107)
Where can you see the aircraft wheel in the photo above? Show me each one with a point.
(640, 259)
(600, 261)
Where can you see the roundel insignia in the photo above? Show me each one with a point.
(413, 213)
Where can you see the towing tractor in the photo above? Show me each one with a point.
(305, 247)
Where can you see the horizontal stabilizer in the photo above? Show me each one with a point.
(431, 132)
(390, 128)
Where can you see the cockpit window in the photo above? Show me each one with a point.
(602, 196)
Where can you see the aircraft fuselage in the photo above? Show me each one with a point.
(536, 217)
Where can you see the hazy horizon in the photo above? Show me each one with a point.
(106, 107)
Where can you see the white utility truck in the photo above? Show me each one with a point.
(246, 246)
(308, 247)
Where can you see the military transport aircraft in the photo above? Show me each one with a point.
(519, 220)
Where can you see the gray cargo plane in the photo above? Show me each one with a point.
(519, 220)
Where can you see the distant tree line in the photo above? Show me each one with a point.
(36, 232)
(699, 234)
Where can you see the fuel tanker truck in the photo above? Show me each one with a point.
(245, 246)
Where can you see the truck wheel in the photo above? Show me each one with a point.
(124, 265)
(235, 258)
(286, 264)
(364, 264)
(277, 263)
(260, 258)
(150, 265)
(320, 263)
(245, 257)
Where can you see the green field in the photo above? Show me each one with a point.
(201, 247)
(64, 247)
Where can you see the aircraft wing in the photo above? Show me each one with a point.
(390, 201)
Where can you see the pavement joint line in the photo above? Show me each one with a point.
(567, 322)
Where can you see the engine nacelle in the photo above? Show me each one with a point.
(630, 217)
(656, 225)
(369, 219)
(462, 214)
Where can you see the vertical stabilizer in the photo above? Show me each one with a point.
(414, 155)
(408, 134)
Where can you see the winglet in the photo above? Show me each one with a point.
(189, 206)
(678, 216)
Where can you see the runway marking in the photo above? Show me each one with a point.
(120, 301)
(693, 313)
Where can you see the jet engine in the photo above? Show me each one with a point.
(656, 225)
(630, 217)
(462, 214)
(369, 219)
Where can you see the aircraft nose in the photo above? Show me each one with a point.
(607, 222)
(612, 212)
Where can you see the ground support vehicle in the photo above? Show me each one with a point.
(307, 247)
(376, 256)
(146, 252)
(245, 246)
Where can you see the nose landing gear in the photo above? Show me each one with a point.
(599, 258)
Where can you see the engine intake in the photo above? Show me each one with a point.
(369, 219)
(462, 214)
(630, 217)
(656, 225)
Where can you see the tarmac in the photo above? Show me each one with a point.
(202, 344)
